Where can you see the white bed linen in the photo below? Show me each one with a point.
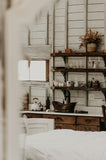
(66, 145)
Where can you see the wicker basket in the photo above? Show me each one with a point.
(91, 47)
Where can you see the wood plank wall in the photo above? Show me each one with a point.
(96, 16)
(79, 18)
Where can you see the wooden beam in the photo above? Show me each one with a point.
(63, 69)
(79, 54)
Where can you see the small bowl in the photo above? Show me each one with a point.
(60, 107)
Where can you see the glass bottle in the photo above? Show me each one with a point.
(89, 64)
(47, 103)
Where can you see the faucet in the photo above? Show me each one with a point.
(67, 97)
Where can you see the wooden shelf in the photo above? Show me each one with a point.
(79, 88)
(78, 54)
(62, 69)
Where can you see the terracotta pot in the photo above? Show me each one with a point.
(91, 47)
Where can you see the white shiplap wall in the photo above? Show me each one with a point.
(76, 23)
(59, 43)
(38, 32)
(76, 28)
(79, 18)
(96, 16)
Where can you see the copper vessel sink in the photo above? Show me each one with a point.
(60, 107)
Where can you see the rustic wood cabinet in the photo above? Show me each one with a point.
(75, 122)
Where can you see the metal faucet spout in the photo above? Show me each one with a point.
(67, 97)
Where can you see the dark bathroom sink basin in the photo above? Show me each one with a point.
(66, 108)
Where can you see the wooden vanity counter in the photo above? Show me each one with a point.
(81, 122)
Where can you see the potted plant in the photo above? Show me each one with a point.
(91, 40)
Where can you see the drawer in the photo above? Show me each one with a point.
(88, 121)
(34, 115)
(87, 128)
(61, 119)
(64, 126)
